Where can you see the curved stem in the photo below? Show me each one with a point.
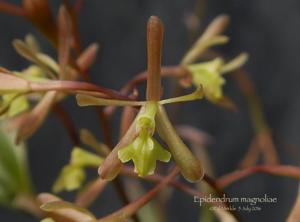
(130, 209)
(67, 122)
(279, 170)
(11, 9)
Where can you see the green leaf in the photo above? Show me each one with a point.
(70, 178)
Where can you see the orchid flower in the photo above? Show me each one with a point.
(73, 175)
(210, 75)
(138, 144)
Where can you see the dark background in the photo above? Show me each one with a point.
(269, 30)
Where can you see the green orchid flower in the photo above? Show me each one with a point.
(73, 175)
(142, 148)
(137, 143)
(144, 151)
(209, 75)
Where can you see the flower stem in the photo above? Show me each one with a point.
(130, 209)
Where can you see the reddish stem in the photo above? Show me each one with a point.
(67, 123)
(279, 170)
(11, 9)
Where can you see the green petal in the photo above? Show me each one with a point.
(235, 63)
(144, 152)
(161, 153)
(70, 178)
(83, 158)
(197, 94)
(126, 153)
(14, 104)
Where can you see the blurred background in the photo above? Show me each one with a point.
(268, 30)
